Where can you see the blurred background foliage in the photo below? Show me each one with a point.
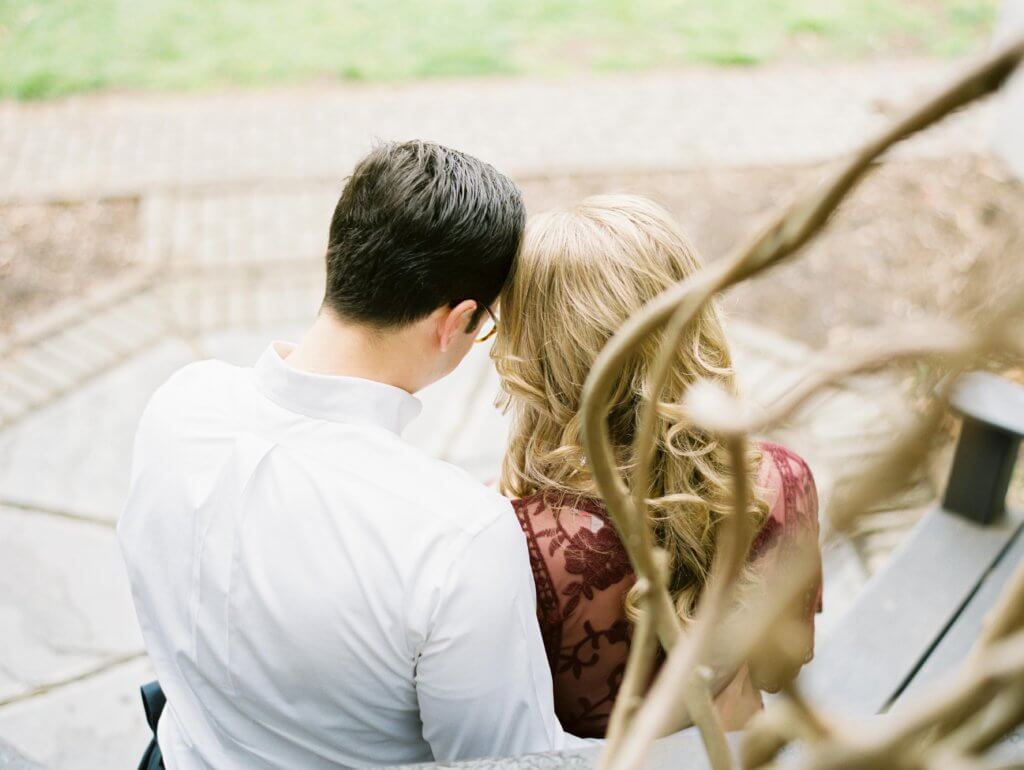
(50, 48)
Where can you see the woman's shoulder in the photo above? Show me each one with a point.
(788, 484)
(785, 473)
(573, 512)
(574, 540)
(576, 551)
(567, 522)
(785, 461)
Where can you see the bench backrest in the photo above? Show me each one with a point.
(929, 598)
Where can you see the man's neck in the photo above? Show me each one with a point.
(334, 347)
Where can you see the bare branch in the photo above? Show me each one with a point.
(677, 307)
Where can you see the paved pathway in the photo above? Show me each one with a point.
(241, 185)
(123, 145)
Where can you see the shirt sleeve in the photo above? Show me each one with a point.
(482, 677)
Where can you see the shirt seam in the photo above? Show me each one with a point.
(442, 507)
(446, 584)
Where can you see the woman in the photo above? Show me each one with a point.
(581, 273)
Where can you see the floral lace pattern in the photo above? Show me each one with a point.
(582, 576)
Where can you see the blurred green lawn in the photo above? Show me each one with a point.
(54, 47)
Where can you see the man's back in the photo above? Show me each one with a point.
(314, 592)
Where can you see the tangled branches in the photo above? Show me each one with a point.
(959, 722)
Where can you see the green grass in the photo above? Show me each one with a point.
(54, 47)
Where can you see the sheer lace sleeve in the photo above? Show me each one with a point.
(792, 524)
(793, 516)
(582, 575)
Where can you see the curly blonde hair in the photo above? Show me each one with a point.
(580, 274)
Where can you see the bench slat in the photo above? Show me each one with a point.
(903, 612)
(957, 642)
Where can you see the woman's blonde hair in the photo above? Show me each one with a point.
(580, 274)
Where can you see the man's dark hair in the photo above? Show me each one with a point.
(419, 226)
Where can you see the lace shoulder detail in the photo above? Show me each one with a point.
(583, 575)
(792, 497)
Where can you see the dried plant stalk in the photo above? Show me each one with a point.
(793, 228)
(677, 307)
(706, 718)
(639, 667)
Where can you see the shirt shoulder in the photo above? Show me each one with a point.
(453, 496)
(197, 392)
(186, 404)
(195, 378)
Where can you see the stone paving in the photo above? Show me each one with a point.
(235, 191)
(116, 145)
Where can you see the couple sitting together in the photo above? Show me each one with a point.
(316, 593)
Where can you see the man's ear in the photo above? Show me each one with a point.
(456, 322)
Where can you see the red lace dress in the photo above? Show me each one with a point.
(582, 576)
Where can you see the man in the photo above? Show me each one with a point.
(313, 592)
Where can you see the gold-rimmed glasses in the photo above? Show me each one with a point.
(490, 326)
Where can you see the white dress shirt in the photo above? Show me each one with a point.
(316, 593)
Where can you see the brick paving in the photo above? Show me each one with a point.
(120, 145)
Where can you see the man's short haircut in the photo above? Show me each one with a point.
(419, 226)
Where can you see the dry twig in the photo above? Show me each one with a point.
(677, 686)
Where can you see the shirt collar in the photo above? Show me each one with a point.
(332, 397)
